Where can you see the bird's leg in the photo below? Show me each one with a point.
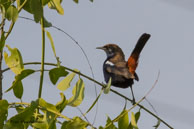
(133, 100)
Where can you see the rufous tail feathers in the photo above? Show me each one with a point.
(133, 59)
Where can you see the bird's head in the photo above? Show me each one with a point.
(112, 50)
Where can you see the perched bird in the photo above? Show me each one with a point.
(122, 72)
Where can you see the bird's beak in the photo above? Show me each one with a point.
(100, 48)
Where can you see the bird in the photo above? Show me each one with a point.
(121, 72)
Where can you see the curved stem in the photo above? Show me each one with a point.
(119, 94)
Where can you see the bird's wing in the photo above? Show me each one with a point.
(120, 68)
(133, 59)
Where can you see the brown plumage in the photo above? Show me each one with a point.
(122, 72)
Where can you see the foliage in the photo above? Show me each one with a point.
(40, 113)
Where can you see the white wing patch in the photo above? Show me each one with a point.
(109, 63)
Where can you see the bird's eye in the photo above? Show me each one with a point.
(109, 49)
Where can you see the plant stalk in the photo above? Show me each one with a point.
(43, 56)
(1, 76)
(1, 58)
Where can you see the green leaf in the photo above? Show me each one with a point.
(133, 121)
(47, 106)
(56, 73)
(65, 83)
(14, 61)
(44, 2)
(61, 104)
(92, 0)
(40, 125)
(56, 4)
(78, 94)
(137, 115)
(5, 3)
(18, 121)
(94, 102)
(52, 124)
(19, 108)
(47, 23)
(52, 43)
(110, 124)
(76, 1)
(123, 122)
(24, 74)
(3, 112)
(27, 6)
(107, 88)
(157, 125)
(75, 123)
(20, 77)
(18, 90)
(100, 127)
(53, 47)
(41, 122)
(36, 9)
(12, 13)
(48, 122)
(49, 118)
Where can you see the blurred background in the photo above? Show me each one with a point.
(169, 50)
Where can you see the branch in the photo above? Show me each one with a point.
(102, 85)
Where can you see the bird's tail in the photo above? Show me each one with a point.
(133, 59)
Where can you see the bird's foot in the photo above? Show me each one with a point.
(133, 102)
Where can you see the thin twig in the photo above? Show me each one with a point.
(151, 106)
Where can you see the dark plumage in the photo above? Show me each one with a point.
(122, 72)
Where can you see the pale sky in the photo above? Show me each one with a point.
(169, 50)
